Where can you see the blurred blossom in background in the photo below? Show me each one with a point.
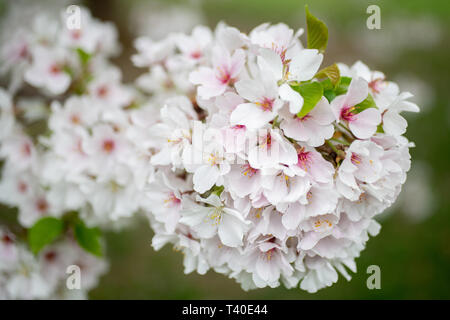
(156, 20)
(413, 249)
(417, 201)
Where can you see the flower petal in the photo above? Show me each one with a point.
(293, 97)
(365, 123)
(251, 116)
(305, 65)
(205, 177)
(358, 90)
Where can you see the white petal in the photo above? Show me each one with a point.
(322, 112)
(251, 90)
(293, 216)
(393, 123)
(294, 128)
(365, 123)
(293, 97)
(305, 65)
(231, 231)
(337, 104)
(251, 116)
(269, 59)
(237, 62)
(205, 177)
(358, 90)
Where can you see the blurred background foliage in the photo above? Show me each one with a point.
(413, 248)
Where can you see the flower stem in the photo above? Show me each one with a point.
(332, 146)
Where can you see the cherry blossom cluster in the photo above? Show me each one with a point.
(269, 169)
(26, 276)
(244, 152)
(67, 144)
(89, 157)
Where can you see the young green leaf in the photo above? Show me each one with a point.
(44, 232)
(330, 72)
(342, 86)
(311, 93)
(317, 32)
(327, 85)
(84, 56)
(380, 128)
(365, 104)
(329, 94)
(88, 238)
(218, 190)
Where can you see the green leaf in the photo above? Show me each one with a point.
(311, 93)
(317, 32)
(331, 91)
(217, 190)
(88, 238)
(84, 56)
(44, 232)
(366, 104)
(328, 89)
(330, 72)
(329, 94)
(327, 85)
(380, 128)
(342, 86)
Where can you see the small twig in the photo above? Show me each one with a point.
(345, 143)
(332, 146)
(345, 132)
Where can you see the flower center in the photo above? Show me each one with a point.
(172, 200)
(108, 145)
(376, 85)
(196, 55)
(76, 34)
(303, 159)
(362, 198)
(23, 51)
(224, 76)
(41, 205)
(269, 254)
(355, 159)
(238, 127)
(23, 187)
(75, 119)
(267, 141)
(248, 171)
(6, 239)
(281, 51)
(304, 118)
(50, 256)
(321, 224)
(216, 216)
(26, 149)
(347, 113)
(266, 104)
(212, 159)
(55, 69)
(102, 91)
